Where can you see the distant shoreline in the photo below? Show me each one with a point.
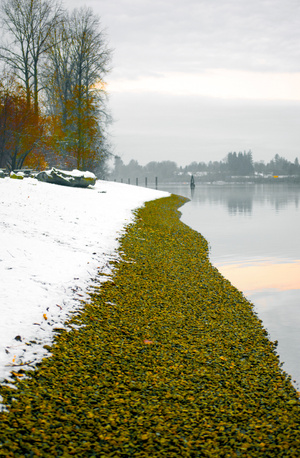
(216, 181)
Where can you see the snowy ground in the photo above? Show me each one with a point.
(53, 241)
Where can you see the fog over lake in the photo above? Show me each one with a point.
(253, 233)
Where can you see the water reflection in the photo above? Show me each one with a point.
(267, 274)
(280, 313)
(240, 198)
(192, 191)
(253, 232)
(240, 205)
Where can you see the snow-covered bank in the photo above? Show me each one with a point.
(53, 241)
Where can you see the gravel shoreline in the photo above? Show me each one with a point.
(168, 359)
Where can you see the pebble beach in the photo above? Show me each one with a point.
(166, 358)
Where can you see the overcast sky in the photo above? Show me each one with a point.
(193, 80)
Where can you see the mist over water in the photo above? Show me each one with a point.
(253, 233)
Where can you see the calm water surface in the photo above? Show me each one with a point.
(253, 232)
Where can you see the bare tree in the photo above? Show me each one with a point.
(29, 24)
(77, 62)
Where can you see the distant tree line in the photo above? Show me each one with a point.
(52, 90)
(235, 165)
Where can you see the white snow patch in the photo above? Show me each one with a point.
(53, 241)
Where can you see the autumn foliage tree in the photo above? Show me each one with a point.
(59, 60)
(21, 130)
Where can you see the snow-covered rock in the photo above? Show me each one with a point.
(17, 175)
(74, 178)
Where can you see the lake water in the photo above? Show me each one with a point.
(254, 237)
